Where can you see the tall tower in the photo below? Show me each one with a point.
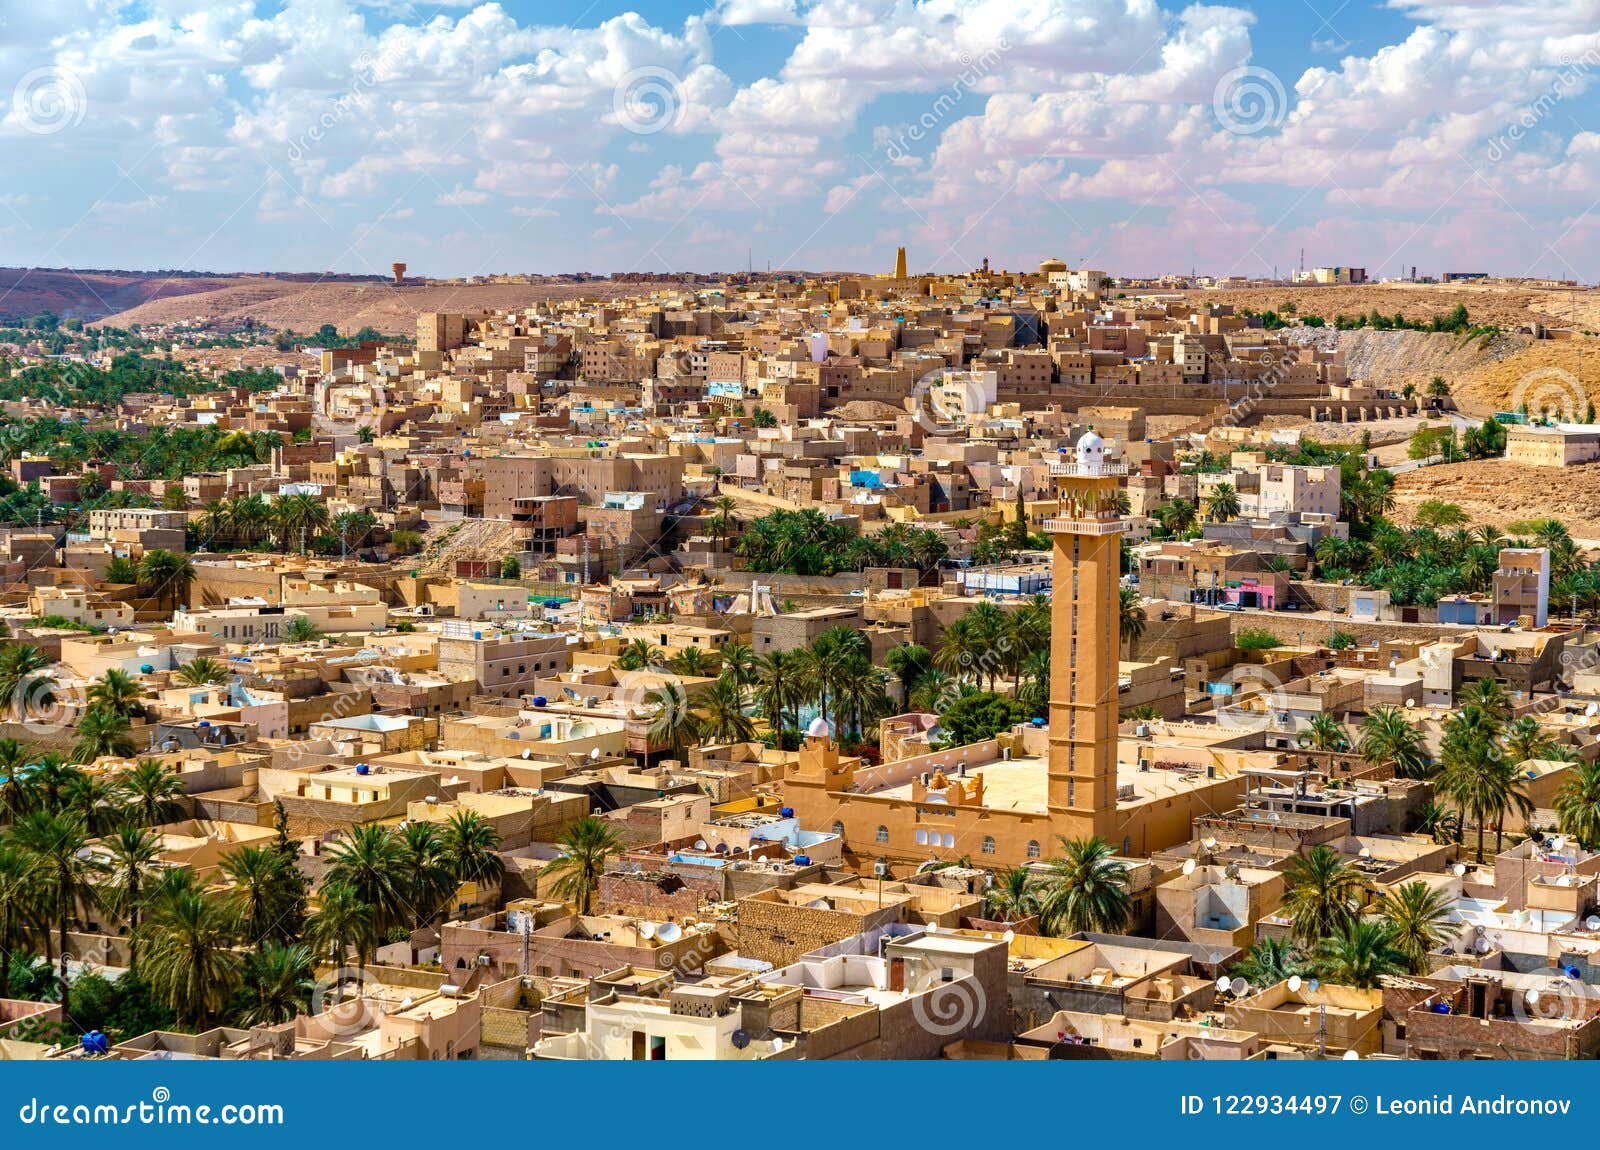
(1086, 542)
(900, 264)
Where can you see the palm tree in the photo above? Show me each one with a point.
(778, 689)
(1084, 889)
(302, 630)
(675, 726)
(277, 984)
(1577, 805)
(20, 909)
(51, 782)
(1324, 733)
(722, 523)
(166, 576)
(133, 852)
(1415, 915)
(692, 663)
(1488, 696)
(1223, 503)
(862, 691)
(961, 647)
(1268, 962)
(371, 862)
(1013, 896)
(188, 959)
(151, 791)
(95, 797)
(66, 872)
(585, 846)
(13, 761)
(1387, 739)
(1359, 954)
(298, 517)
(639, 655)
(472, 849)
(1525, 739)
(264, 894)
(1322, 895)
(119, 693)
(202, 672)
(102, 733)
(1130, 616)
(342, 923)
(426, 877)
(739, 663)
(1438, 821)
(722, 714)
(25, 679)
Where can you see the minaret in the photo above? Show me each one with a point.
(900, 264)
(1085, 638)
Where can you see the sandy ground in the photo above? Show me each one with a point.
(1498, 492)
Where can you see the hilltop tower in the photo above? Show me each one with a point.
(1085, 636)
(900, 264)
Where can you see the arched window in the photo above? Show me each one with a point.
(949, 839)
(1033, 848)
(883, 834)
(922, 838)
(988, 844)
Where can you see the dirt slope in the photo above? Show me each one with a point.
(1497, 492)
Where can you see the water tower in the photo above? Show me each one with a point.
(399, 273)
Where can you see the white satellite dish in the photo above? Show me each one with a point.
(1592, 710)
(1188, 866)
(699, 844)
(1352, 1056)
(527, 752)
(1592, 922)
(647, 930)
(1364, 852)
(669, 932)
(1209, 843)
(1223, 982)
(1532, 997)
(1239, 987)
(1459, 869)
(1009, 935)
(933, 928)
(1294, 984)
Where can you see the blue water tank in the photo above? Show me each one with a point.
(1038, 722)
(802, 860)
(786, 812)
(146, 668)
(95, 1043)
(1441, 1008)
(363, 769)
(205, 723)
(539, 700)
(1574, 972)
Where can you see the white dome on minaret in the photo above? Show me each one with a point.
(1091, 450)
(820, 728)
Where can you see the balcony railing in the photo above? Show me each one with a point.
(1076, 470)
(1112, 526)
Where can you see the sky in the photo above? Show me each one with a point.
(557, 136)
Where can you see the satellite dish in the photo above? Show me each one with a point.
(933, 928)
(740, 1039)
(1188, 866)
(699, 844)
(777, 1045)
(1459, 869)
(1223, 982)
(647, 930)
(527, 752)
(1295, 983)
(1009, 935)
(1365, 852)
(1239, 987)
(669, 932)
(594, 754)
(1592, 922)
(1532, 998)
(1481, 946)
(1313, 986)
(1352, 1056)
(1209, 843)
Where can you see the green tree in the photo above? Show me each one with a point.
(1416, 916)
(1086, 888)
(1223, 503)
(341, 924)
(370, 861)
(133, 852)
(302, 630)
(1322, 895)
(981, 715)
(277, 984)
(202, 672)
(1268, 962)
(67, 873)
(102, 733)
(265, 896)
(151, 791)
(585, 847)
(675, 726)
(1577, 805)
(472, 849)
(166, 576)
(188, 957)
(1388, 739)
(1359, 954)
(1012, 897)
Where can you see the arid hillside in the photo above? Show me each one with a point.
(1504, 306)
(351, 306)
(1497, 492)
(27, 292)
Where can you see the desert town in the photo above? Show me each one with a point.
(1007, 665)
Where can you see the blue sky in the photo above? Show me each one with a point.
(471, 138)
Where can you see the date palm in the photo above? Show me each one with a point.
(1084, 889)
(1359, 954)
(26, 683)
(118, 692)
(342, 923)
(675, 725)
(371, 862)
(265, 894)
(133, 852)
(21, 906)
(778, 691)
(202, 672)
(152, 791)
(1322, 895)
(1130, 616)
(1268, 961)
(167, 576)
(188, 957)
(1324, 734)
(638, 655)
(739, 663)
(720, 708)
(692, 663)
(1387, 739)
(425, 872)
(585, 847)
(102, 733)
(67, 874)
(1013, 896)
(1416, 916)
(472, 849)
(1577, 805)
(1223, 503)
(13, 762)
(277, 984)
